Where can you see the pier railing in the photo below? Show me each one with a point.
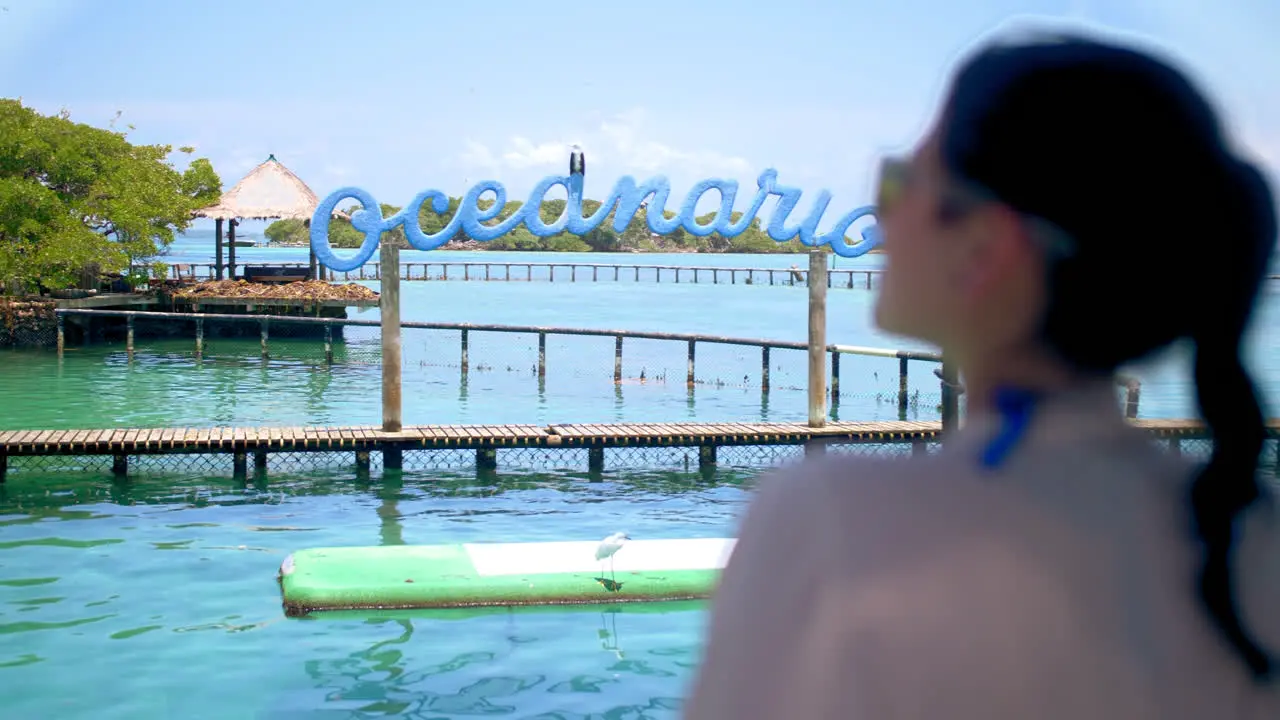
(500, 271)
(913, 383)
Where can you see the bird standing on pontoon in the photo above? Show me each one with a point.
(607, 549)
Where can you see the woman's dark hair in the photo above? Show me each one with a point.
(1121, 153)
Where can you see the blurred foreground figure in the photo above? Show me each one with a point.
(1050, 561)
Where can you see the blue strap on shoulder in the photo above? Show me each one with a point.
(1015, 407)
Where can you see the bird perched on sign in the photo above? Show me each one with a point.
(577, 161)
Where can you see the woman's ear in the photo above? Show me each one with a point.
(993, 247)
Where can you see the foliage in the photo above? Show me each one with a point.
(636, 237)
(73, 196)
(341, 233)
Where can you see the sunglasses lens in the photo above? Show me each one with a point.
(890, 185)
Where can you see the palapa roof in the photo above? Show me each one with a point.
(269, 192)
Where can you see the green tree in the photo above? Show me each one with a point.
(73, 196)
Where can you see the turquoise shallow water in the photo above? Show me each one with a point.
(157, 597)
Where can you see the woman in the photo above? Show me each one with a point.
(1050, 561)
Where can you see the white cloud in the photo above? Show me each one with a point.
(622, 143)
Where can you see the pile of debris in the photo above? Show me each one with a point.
(27, 322)
(307, 290)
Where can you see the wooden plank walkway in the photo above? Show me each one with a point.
(163, 441)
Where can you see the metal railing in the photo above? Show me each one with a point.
(322, 330)
(567, 272)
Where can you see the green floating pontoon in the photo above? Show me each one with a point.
(488, 574)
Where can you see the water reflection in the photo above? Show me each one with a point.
(581, 666)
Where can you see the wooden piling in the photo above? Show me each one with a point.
(542, 354)
(199, 337)
(231, 249)
(764, 369)
(595, 460)
(262, 328)
(465, 352)
(817, 338)
(692, 351)
(904, 368)
(950, 398)
(389, 307)
(486, 459)
(617, 359)
(259, 460)
(835, 378)
(217, 248)
(128, 336)
(62, 335)
(328, 344)
(120, 465)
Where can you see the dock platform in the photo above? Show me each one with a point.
(355, 444)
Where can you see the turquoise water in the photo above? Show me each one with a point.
(157, 597)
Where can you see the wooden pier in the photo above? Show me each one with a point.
(486, 440)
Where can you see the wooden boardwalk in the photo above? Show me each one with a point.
(487, 439)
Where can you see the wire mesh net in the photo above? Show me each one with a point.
(566, 460)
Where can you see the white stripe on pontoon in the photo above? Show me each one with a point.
(570, 557)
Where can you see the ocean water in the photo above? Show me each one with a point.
(156, 597)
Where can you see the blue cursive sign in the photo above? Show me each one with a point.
(627, 196)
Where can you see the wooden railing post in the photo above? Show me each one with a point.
(389, 307)
(904, 369)
(817, 338)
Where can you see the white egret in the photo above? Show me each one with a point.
(608, 548)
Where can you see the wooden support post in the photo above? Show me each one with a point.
(594, 276)
(392, 457)
(677, 276)
(817, 338)
(835, 378)
(120, 465)
(692, 351)
(904, 368)
(919, 447)
(595, 460)
(259, 460)
(362, 461)
(262, 329)
(1133, 392)
(615, 273)
(199, 338)
(816, 447)
(573, 273)
(466, 271)
(217, 248)
(62, 335)
(528, 272)
(617, 359)
(328, 344)
(128, 336)
(950, 398)
(389, 305)
(486, 459)
(313, 269)
(239, 463)
(231, 249)
(764, 369)
(637, 273)
(542, 354)
(465, 360)
(4, 464)
(706, 456)
(486, 271)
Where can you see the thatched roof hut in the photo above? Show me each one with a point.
(269, 192)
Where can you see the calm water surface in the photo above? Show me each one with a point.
(157, 597)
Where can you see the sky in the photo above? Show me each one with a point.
(400, 96)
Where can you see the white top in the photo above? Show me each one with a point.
(1058, 586)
